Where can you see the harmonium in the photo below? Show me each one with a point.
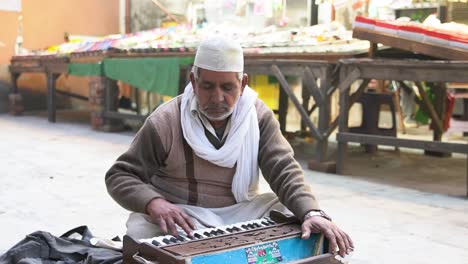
(266, 240)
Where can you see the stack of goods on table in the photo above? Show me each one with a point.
(431, 31)
(329, 38)
(323, 38)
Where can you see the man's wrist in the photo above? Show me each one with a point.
(316, 213)
(150, 203)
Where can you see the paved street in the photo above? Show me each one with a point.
(53, 180)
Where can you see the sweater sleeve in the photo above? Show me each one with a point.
(279, 167)
(128, 180)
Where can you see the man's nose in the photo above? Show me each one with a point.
(218, 95)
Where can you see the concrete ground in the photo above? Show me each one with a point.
(53, 180)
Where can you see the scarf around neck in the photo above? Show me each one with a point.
(240, 148)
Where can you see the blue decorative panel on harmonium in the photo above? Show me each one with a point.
(258, 241)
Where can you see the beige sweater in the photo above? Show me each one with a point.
(159, 163)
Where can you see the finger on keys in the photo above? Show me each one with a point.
(162, 223)
(172, 226)
(189, 220)
(182, 222)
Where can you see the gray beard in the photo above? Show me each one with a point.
(217, 118)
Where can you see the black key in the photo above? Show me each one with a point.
(196, 235)
(271, 222)
(265, 223)
(257, 225)
(219, 232)
(174, 240)
(181, 239)
(245, 227)
(251, 226)
(167, 241)
(207, 234)
(230, 230)
(236, 229)
(156, 243)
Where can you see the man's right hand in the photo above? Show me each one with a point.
(168, 215)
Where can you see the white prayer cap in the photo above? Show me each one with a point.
(220, 54)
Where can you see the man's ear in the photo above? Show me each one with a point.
(193, 82)
(245, 80)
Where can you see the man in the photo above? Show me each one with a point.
(195, 162)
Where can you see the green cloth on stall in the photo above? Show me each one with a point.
(160, 75)
(421, 116)
(85, 69)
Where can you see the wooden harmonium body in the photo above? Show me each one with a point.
(258, 241)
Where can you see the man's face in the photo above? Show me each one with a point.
(217, 92)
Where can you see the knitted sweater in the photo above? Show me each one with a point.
(159, 163)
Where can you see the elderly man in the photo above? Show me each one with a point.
(195, 162)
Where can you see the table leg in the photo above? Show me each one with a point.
(343, 127)
(15, 99)
(439, 107)
(319, 162)
(305, 104)
(324, 120)
(283, 109)
(465, 113)
(52, 96)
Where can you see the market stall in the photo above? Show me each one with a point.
(52, 66)
(438, 41)
(19, 65)
(365, 69)
(159, 61)
(435, 39)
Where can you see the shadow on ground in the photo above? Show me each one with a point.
(407, 168)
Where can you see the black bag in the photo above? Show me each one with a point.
(42, 247)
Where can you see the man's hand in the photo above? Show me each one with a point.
(168, 215)
(336, 237)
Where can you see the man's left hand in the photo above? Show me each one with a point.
(336, 236)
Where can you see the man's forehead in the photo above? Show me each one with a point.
(208, 75)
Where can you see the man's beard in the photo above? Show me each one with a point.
(205, 112)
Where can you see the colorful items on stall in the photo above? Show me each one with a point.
(324, 38)
(431, 31)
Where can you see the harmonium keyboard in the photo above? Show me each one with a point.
(262, 240)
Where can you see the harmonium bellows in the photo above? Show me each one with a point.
(257, 241)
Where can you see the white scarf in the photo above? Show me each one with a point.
(241, 145)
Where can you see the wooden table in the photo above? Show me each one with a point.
(437, 51)
(303, 65)
(398, 70)
(52, 66)
(311, 72)
(312, 68)
(436, 110)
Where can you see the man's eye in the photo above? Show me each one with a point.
(227, 87)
